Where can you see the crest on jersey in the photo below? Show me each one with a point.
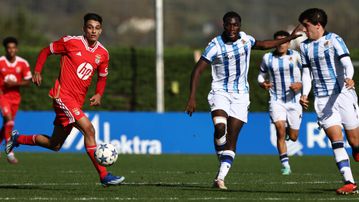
(290, 58)
(76, 111)
(243, 41)
(97, 59)
(84, 70)
(18, 69)
(326, 44)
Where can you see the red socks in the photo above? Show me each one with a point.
(102, 171)
(7, 130)
(26, 139)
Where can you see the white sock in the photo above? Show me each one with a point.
(223, 170)
(226, 159)
(342, 160)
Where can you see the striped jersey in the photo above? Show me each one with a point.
(322, 57)
(230, 63)
(283, 71)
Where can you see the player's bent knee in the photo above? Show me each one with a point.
(220, 125)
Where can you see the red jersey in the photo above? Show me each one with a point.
(16, 71)
(79, 62)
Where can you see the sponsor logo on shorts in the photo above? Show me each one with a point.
(76, 111)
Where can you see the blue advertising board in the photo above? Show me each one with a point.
(154, 133)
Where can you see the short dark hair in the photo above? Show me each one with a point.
(231, 14)
(280, 33)
(92, 16)
(9, 39)
(314, 16)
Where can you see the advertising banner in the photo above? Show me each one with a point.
(174, 133)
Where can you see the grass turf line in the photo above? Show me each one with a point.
(68, 176)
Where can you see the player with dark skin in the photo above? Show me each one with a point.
(232, 27)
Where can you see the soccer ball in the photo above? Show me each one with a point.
(106, 154)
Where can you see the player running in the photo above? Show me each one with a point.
(81, 56)
(15, 72)
(283, 67)
(326, 59)
(228, 55)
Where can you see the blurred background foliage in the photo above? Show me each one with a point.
(130, 38)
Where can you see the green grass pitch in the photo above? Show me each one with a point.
(71, 177)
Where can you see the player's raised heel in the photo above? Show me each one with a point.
(286, 171)
(12, 142)
(11, 158)
(348, 188)
(219, 184)
(111, 180)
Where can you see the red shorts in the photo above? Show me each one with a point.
(8, 107)
(67, 111)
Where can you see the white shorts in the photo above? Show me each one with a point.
(339, 109)
(234, 104)
(289, 112)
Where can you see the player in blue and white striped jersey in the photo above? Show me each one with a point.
(228, 55)
(325, 57)
(283, 68)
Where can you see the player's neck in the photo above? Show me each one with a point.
(11, 59)
(321, 33)
(91, 44)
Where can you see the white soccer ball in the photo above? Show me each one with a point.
(106, 154)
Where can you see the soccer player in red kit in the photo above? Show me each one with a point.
(81, 56)
(14, 73)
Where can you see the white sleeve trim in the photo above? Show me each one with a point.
(348, 67)
(52, 48)
(306, 81)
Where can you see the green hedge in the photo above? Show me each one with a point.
(131, 82)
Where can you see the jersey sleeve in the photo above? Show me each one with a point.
(59, 46)
(298, 69)
(304, 56)
(210, 52)
(298, 60)
(340, 48)
(264, 68)
(26, 72)
(252, 40)
(103, 67)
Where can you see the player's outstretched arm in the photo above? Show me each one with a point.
(41, 59)
(268, 44)
(196, 73)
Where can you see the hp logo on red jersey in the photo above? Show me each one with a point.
(84, 71)
(10, 77)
